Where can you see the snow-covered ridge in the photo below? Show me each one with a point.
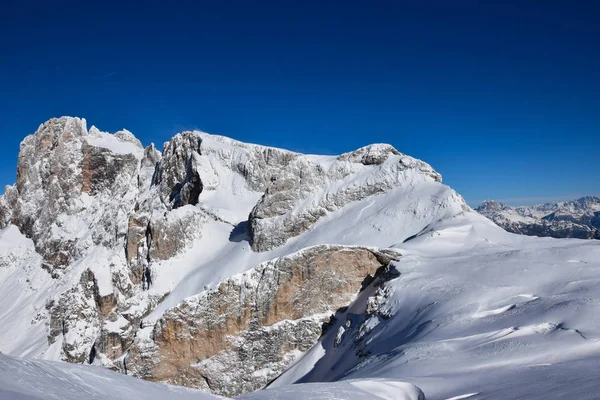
(122, 142)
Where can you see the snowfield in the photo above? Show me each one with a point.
(37, 380)
(359, 389)
(478, 313)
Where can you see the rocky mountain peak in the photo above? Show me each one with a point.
(374, 154)
(124, 243)
(49, 149)
(330, 183)
(177, 174)
(491, 205)
(63, 172)
(586, 203)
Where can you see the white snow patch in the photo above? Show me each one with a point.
(463, 396)
(113, 143)
(389, 390)
(36, 379)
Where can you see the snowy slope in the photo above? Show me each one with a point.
(357, 389)
(475, 311)
(24, 289)
(37, 380)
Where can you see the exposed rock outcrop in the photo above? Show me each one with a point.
(350, 332)
(74, 193)
(237, 336)
(284, 212)
(177, 170)
(62, 178)
(78, 317)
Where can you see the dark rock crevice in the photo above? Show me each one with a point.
(147, 278)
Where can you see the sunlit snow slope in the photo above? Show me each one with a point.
(37, 380)
(476, 312)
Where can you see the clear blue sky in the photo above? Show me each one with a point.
(503, 99)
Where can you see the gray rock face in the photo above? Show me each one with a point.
(272, 221)
(572, 219)
(78, 315)
(239, 335)
(58, 171)
(176, 170)
(192, 185)
(73, 194)
(173, 233)
(257, 165)
(39, 195)
(348, 337)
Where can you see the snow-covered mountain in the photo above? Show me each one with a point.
(568, 219)
(228, 266)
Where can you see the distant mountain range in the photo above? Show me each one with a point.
(567, 219)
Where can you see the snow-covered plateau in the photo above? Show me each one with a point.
(242, 270)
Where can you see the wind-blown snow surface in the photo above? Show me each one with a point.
(358, 389)
(478, 313)
(37, 380)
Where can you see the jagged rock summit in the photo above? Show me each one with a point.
(578, 218)
(182, 265)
